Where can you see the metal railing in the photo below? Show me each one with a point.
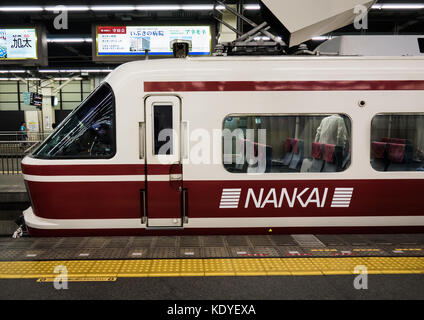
(14, 146)
(23, 135)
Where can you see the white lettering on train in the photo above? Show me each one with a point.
(304, 197)
(277, 198)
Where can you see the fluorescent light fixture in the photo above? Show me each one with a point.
(75, 70)
(13, 71)
(158, 8)
(321, 38)
(197, 7)
(66, 79)
(20, 9)
(68, 8)
(96, 70)
(60, 40)
(252, 7)
(398, 6)
(112, 8)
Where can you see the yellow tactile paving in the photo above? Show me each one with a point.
(165, 268)
(248, 267)
(102, 268)
(301, 266)
(275, 267)
(218, 267)
(337, 265)
(192, 267)
(211, 267)
(17, 269)
(135, 268)
(47, 269)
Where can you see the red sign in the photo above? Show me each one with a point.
(112, 30)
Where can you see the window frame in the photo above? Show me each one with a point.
(63, 123)
(290, 115)
(370, 141)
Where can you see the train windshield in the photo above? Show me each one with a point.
(88, 132)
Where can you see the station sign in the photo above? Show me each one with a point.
(33, 99)
(18, 44)
(127, 41)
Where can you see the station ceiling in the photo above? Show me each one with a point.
(79, 54)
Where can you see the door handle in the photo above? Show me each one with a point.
(141, 130)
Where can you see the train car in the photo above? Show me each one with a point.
(223, 145)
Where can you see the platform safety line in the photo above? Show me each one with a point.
(93, 269)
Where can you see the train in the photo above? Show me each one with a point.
(237, 145)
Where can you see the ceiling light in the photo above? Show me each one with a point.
(13, 71)
(158, 8)
(197, 7)
(321, 38)
(20, 9)
(252, 7)
(398, 6)
(68, 8)
(112, 8)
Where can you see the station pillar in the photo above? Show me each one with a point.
(47, 111)
(227, 35)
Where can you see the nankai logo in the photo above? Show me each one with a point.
(305, 197)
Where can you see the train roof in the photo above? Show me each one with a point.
(270, 68)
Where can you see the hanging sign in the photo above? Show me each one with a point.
(18, 44)
(134, 40)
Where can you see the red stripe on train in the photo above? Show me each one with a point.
(83, 170)
(98, 169)
(344, 85)
(106, 200)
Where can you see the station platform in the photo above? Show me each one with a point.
(214, 267)
(212, 255)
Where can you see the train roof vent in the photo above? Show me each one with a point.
(301, 20)
(373, 45)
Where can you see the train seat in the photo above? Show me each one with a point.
(333, 158)
(298, 153)
(395, 140)
(399, 156)
(379, 155)
(289, 152)
(317, 160)
(263, 157)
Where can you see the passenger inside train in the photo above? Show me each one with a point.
(302, 143)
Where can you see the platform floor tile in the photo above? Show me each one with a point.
(212, 267)
(165, 268)
(135, 268)
(298, 266)
(275, 267)
(248, 267)
(219, 267)
(192, 267)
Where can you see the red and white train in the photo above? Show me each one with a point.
(102, 173)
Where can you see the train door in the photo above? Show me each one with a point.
(164, 177)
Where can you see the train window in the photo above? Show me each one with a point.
(286, 143)
(163, 129)
(88, 132)
(397, 142)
